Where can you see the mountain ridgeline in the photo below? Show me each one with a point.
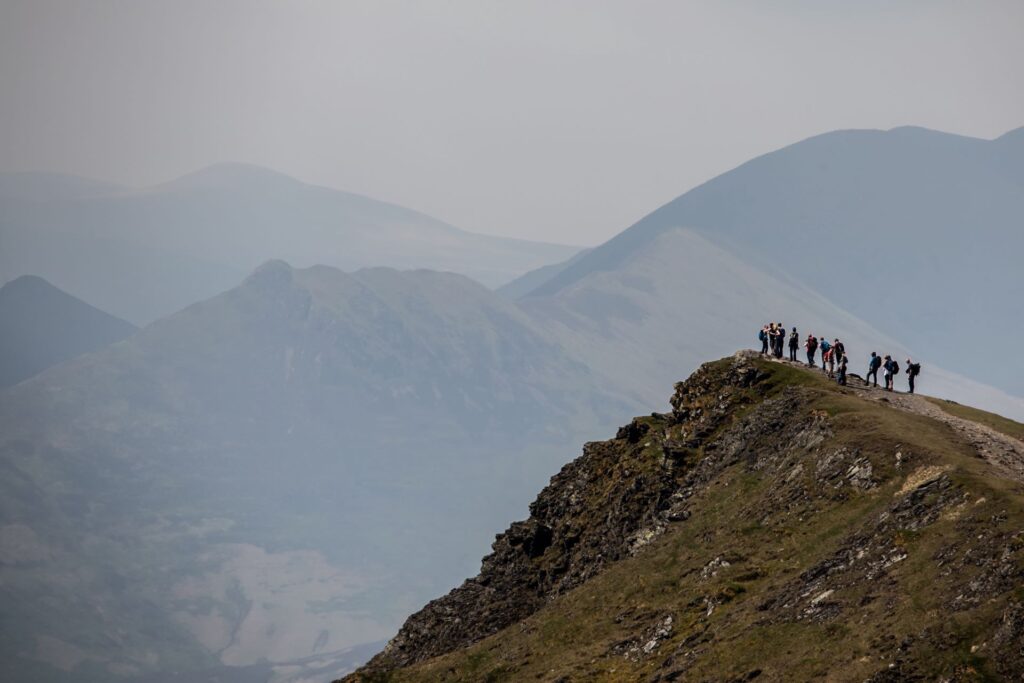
(142, 254)
(41, 326)
(772, 526)
(255, 480)
(914, 231)
(266, 482)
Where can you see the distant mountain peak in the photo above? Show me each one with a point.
(230, 174)
(274, 269)
(930, 134)
(27, 283)
(1016, 136)
(35, 286)
(42, 325)
(910, 130)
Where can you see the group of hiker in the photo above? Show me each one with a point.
(834, 361)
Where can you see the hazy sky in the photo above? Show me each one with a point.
(564, 121)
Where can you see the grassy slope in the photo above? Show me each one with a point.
(996, 422)
(587, 634)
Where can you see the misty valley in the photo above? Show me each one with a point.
(429, 342)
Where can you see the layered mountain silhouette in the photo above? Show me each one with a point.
(145, 253)
(916, 231)
(678, 295)
(41, 326)
(267, 481)
(272, 476)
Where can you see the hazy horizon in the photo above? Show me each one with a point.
(562, 124)
(359, 279)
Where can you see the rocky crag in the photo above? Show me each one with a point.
(773, 526)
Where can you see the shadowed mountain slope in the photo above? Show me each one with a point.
(526, 283)
(678, 296)
(272, 476)
(916, 231)
(772, 526)
(41, 326)
(145, 253)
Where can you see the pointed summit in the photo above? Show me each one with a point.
(231, 175)
(901, 226)
(41, 326)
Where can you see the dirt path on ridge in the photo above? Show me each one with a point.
(1003, 452)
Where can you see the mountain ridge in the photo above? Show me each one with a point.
(772, 524)
(659, 219)
(683, 296)
(898, 227)
(191, 238)
(41, 326)
(179, 493)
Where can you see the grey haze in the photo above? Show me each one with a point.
(550, 121)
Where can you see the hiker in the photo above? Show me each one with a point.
(812, 347)
(825, 349)
(794, 344)
(891, 368)
(874, 363)
(831, 362)
(780, 339)
(842, 370)
(763, 338)
(913, 370)
(772, 336)
(840, 349)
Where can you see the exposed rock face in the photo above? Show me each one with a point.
(764, 503)
(563, 543)
(600, 508)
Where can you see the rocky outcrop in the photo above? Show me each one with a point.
(604, 506)
(769, 506)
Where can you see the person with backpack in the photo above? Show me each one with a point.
(839, 348)
(892, 368)
(811, 345)
(887, 372)
(874, 363)
(913, 370)
(794, 344)
(842, 369)
(780, 339)
(762, 336)
(826, 348)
